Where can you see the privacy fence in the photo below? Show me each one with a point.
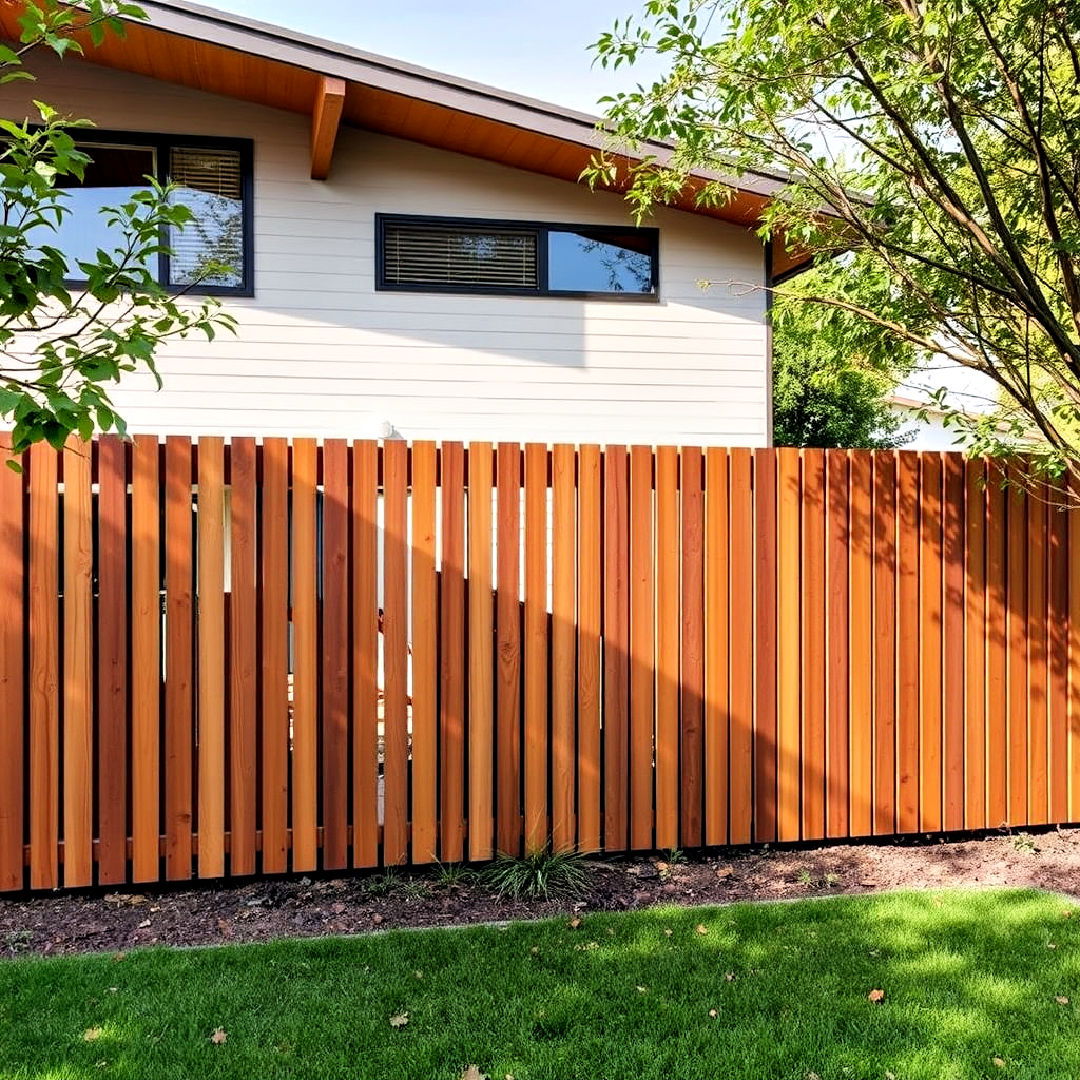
(228, 658)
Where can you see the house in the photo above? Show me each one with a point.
(410, 254)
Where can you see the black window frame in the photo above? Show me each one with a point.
(161, 144)
(541, 228)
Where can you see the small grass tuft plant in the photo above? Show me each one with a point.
(541, 875)
(451, 875)
(382, 884)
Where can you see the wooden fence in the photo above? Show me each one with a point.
(228, 658)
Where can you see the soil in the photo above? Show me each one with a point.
(214, 914)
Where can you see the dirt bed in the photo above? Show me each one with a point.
(304, 907)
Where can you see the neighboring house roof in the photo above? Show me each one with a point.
(222, 53)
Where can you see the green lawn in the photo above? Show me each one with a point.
(971, 980)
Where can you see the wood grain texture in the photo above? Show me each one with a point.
(813, 648)
(1038, 764)
(1058, 663)
(930, 555)
(975, 645)
(742, 647)
(997, 630)
(692, 648)
(789, 644)
(837, 553)
(765, 646)
(642, 658)
(884, 642)
(588, 646)
(563, 645)
(13, 671)
(668, 558)
(861, 632)
(907, 643)
(717, 588)
(1016, 665)
(616, 614)
(954, 600)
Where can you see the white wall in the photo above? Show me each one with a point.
(319, 352)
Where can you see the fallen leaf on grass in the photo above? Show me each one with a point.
(713, 1014)
(473, 1073)
(574, 923)
(876, 996)
(641, 989)
(729, 976)
(1062, 1000)
(219, 1036)
(724, 871)
(91, 1034)
(668, 933)
(999, 1062)
(701, 928)
(399, 1020)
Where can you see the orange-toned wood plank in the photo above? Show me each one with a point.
(930, 548)
(837, 550)
(642, 662)
(907, 643)
(243, 663)
(325, 121)
(536, 647)
(765, 657)
(210, 609)
(365, 653)
(789, 643)
(1038, 763)
(616, 647)
(44, 668)
(717, 530)
(1072, 498)
(274, 650)
(1016, 665)
(508, 650)
(334, 648)
(179, 734)
(481, 817)
(692, 647)
(953, 718)
(78, 653)
(145, 657)
(13, 690)
(741, 747)
(884, 643)
(425, 656)
(395, 653)
(1058, 661)
(667, 647)
(997, 627)
(975, 504)
(563, 635)
(861, 660)
(112, 672)
(305, 763)
(452, 659)
(588, 646)
(813, 571)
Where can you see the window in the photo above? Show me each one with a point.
(212, 177)
(512, 258)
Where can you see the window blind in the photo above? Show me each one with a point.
(419, 254)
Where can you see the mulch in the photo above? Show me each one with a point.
(217, 914)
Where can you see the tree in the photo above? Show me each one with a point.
(60, 346)
(937, 142)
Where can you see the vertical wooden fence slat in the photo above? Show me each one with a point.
(145, 658)
(667, 647)
(930, 745)
(243, 662)
(1016, 671)
(335, 655)
(481, 656)
(1058, 657)
(564, 587)
(536, 647)
(274, 648)
(860, 636)
(997, 631)
(717, 579)
(953, 724)
(616, 645)
(813, 571)
(365, 653)
(508, 629)
(44, 669)
(789, 644)
(112, 653)
(692, 647)
(907, 645)
(452, 660)
(210, 610)
(741, 738)
(588, 646)
(642, 659)
(1037, 760)
(13, 690)
(837, 543)
(425, 656)
(765, 646)
(1073, 678)
(78, 677)
(178, 659)
(395, 653)
(884, 642)
(975, 644)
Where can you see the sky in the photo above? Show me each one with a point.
(532, 47)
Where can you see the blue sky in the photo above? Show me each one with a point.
(534, 47)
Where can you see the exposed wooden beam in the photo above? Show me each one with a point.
(325, 121)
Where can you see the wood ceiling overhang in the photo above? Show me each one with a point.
(220, 53)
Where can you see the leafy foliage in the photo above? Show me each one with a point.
(938, 142)
(61, 345)
(540, 875)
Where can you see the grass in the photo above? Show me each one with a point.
(977, 984)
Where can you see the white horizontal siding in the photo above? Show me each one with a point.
(319, 351)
